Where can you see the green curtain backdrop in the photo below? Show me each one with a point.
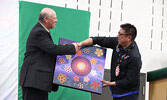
(72, 24)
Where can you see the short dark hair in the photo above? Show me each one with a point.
(42, 16)
(129, 29)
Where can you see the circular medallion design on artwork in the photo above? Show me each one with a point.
(81, 66)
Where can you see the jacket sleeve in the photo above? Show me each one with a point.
(133, 74)
(45, 43)
(108, 42)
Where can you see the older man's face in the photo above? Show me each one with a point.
(52, 20)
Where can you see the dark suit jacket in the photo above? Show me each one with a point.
(39, 62)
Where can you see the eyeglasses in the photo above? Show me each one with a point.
(123, 34)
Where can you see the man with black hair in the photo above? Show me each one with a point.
(125, 64)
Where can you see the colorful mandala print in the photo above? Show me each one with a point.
(79, 53)
(93, 61)
(76, 78)
(86, 79)
(68, 69)
(62, 78)
(86, 50)
(95, 85)
(61, 61)
(93, 72)
(99, 52)
(68, 57)
(99, 67)
(80, 85)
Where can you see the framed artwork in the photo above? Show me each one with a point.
(82, 71)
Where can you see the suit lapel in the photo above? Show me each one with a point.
(50, 36)
(45, 31)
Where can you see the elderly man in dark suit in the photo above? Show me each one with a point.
(37, 71)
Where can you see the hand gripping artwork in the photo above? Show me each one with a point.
(83, 71)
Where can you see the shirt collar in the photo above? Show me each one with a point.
(132, 45)
(44, 27)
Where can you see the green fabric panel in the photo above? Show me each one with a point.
(157, 74)
(72, 24)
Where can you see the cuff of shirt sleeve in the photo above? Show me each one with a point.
(117, 83)
(73, 49)
(94, 40)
